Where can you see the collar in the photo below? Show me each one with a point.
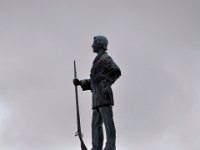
(99, 56)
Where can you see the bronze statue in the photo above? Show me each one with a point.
(104, 73)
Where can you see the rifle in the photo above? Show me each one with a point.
(78, 133)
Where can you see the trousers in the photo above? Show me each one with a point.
(103, 115)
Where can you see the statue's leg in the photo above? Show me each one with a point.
(107, 115)
(97, 130)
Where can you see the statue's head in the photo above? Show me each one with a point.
(100, 43)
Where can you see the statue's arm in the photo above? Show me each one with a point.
(85, 84)
(112, 71)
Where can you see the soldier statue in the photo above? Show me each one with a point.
(103, 74)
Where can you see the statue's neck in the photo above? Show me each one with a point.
(101, 51)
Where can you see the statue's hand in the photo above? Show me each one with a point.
(76, 82)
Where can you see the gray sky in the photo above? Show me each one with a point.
(156, 43)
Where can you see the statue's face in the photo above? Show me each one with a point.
(95, 46)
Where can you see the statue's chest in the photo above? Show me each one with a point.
(98, 66)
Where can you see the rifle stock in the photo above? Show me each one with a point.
(78, 133)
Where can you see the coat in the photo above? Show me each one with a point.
(103, 74)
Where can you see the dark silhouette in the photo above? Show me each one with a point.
(104, 73)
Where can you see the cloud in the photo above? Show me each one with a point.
(156, 45)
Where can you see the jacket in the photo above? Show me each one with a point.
(103, 74)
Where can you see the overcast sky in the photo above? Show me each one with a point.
(156, 43)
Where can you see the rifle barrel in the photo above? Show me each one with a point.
(79, 133)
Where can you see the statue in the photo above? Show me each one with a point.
(103, 74)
